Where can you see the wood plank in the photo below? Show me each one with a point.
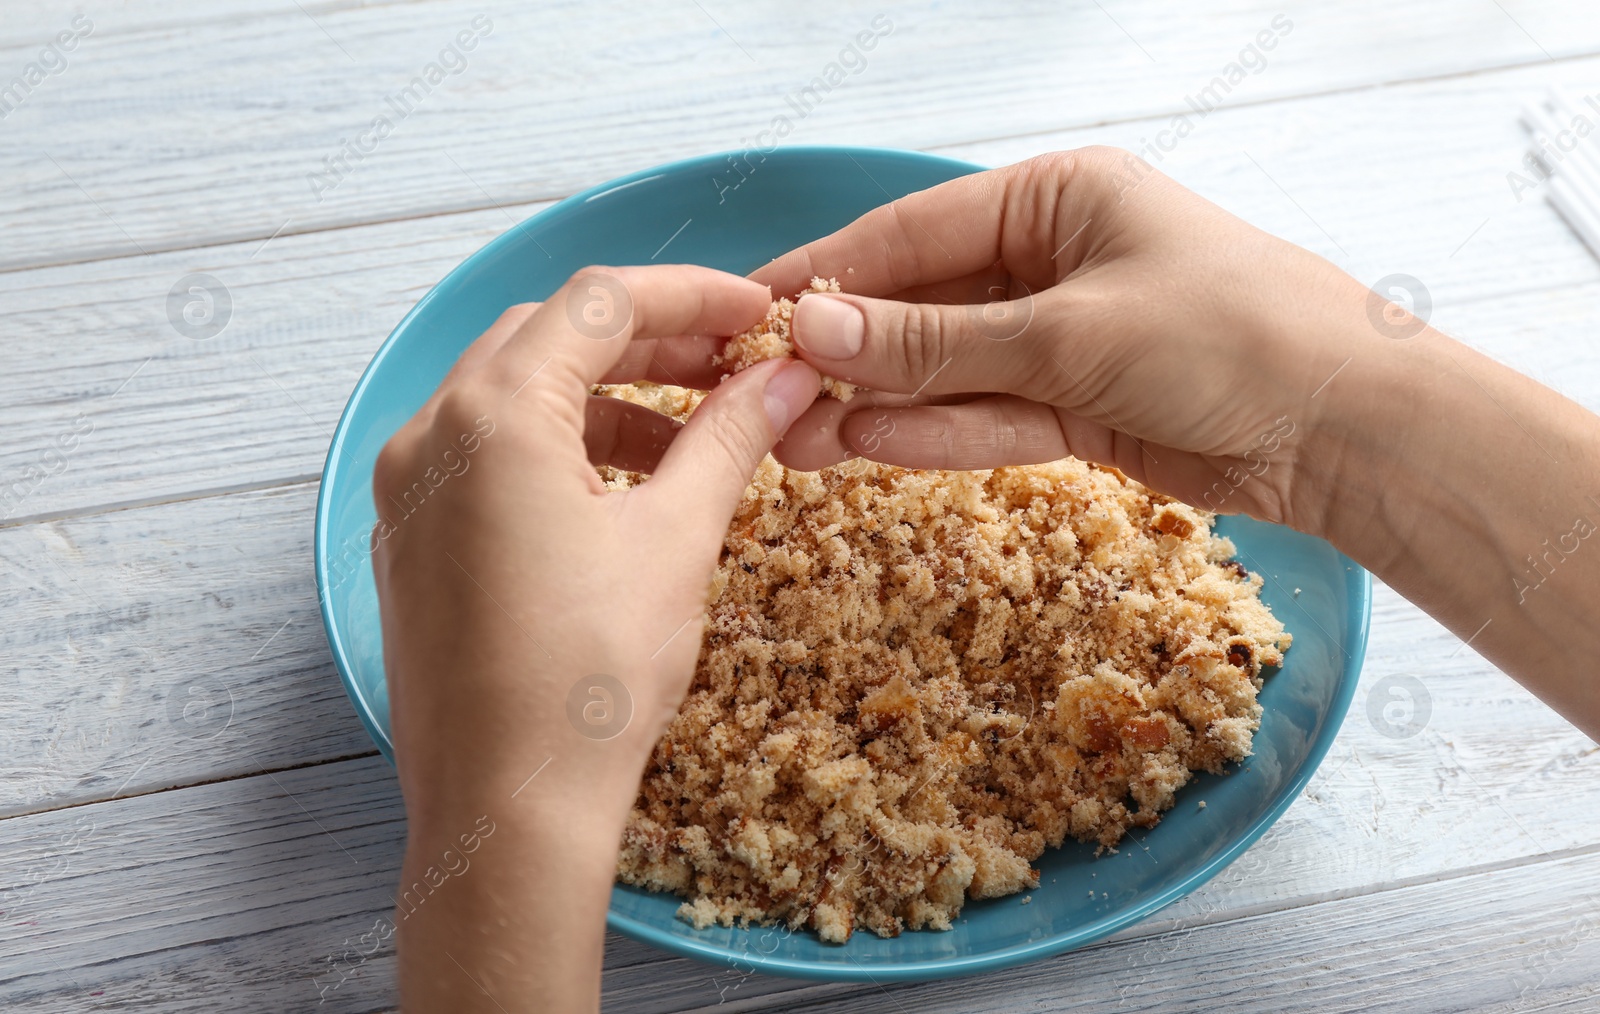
(258, 890)
(1401, 177)
(1524, 939)
(155, 412)
(546, 104)
(163, 646)
(33, 25)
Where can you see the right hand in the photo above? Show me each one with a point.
(1077, 303)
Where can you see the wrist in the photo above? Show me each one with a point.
(459, 757)
(1361, 396)
(524, 839)
(1399, 449)
(521, 917)
(548, 802)
(572, 802)
(1342, 468)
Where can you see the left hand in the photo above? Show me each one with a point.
(531, 616)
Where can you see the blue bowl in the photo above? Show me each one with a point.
(704, 211)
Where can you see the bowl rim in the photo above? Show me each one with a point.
(1358, 592)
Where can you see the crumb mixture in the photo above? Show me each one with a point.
(770, 340)
(914, 682)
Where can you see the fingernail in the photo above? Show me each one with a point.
(791, 391)
(828, 328)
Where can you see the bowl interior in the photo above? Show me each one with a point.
(734, 214)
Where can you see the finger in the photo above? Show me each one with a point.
(626, 436)
(478, 353)
(1002, 430)
(991, 282)
(704, 473)
(815, 440)
(1030, 216)
(585, 327)
(687, 361)
(986, 433)
(1008, 216)
(933, 235)
(920, 348)
(488, 343)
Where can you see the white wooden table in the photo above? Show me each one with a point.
(193, 819)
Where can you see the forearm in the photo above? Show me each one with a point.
(520, 925)
(1474, 492)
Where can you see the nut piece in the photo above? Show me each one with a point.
(770, 340)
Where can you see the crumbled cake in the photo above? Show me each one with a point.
(914, 682)
(770, 340)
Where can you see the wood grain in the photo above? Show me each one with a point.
(180, 139)
(162, 646)
(164, 413)
(256, 892)
(33, 25)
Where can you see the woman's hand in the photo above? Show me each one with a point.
(539, 631)
(1080, 303)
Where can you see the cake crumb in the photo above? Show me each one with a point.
(912, 683)
(1202, 805)
(770, 339)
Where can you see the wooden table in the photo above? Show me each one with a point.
(193, 818)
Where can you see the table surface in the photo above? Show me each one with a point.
(191, 817)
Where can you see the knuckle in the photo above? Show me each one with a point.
(1098, 165)
(394, 461)
(921, 340)
(460, 406)
(1098, 154)
(1055, 163)
(1003, 435)
(904, 262)
(516, 313)
(948, 437)
(598, 302)
(1100, 160)
(1053, 171)
(588, 271)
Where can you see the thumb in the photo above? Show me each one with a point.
(918, 348)
(711, 460)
